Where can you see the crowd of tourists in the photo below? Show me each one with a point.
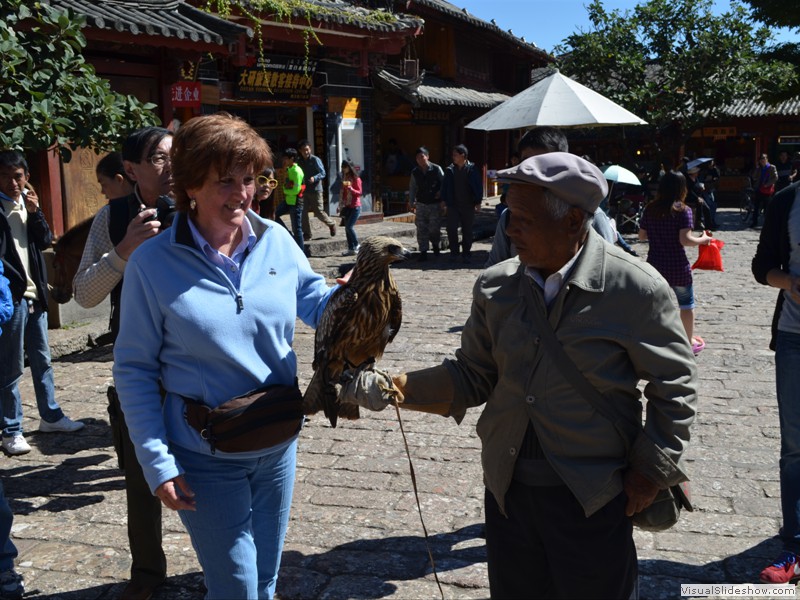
(194, 221)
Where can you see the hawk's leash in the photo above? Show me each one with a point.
(416, 495)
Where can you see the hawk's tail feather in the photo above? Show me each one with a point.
(349, 411)
(331, 403)
(320, 396)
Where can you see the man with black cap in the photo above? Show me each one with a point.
(560, 488)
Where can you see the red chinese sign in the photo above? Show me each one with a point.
(185, 94)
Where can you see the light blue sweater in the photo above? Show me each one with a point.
(185, 323)
(6, 301)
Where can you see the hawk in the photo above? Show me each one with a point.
(360, 319)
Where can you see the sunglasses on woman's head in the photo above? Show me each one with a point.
(263, 180)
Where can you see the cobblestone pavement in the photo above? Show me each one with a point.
(355, 531)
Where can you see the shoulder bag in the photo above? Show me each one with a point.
(664, 512)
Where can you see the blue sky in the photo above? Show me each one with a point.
(547, 22)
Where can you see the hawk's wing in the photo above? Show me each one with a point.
(395, 313)
(321, 393)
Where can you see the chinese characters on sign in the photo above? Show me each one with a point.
(185, 94)
(430, 115)
(719, 132)
(277, 78)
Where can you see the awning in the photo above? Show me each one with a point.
(426, 89)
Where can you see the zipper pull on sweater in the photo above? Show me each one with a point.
(239, 302)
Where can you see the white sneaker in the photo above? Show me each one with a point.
(64, 424)
(15, 445)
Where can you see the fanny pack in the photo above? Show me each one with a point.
(259, 419)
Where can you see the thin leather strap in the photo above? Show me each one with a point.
(572, 374)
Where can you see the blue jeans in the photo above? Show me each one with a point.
(711, 201)
(295, 213)
(350, 228)
(787, 381)
(8, 551)
(685, 296)
(26, 332)
(242, 514)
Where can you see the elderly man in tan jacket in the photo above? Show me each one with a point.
(560, 486)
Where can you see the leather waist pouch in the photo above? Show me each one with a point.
(253, 421)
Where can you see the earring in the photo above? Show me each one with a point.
(192, 203)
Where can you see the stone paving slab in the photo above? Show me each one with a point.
(355, 531)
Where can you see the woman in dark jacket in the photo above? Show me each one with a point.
(777, 264)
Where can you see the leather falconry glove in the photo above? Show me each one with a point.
(370, 388)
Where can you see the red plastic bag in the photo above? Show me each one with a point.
(710, 257)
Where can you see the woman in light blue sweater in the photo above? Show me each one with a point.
(209, 315)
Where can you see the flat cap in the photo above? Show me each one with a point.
(573, 179)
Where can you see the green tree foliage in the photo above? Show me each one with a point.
(779, 13)
(50, 96)
(673, 62)
(776, 12)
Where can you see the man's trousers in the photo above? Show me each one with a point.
(548, 548)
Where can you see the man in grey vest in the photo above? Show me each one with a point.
(425, 200)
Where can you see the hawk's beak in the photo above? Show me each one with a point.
(400, 253)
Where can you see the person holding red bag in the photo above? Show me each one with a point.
(667, 224)
(764, 177)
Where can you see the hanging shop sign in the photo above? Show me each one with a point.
(431, 115)
(185, 94)
(719, 132)
(278, 78)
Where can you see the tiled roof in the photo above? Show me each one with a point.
(340, 12)
(436, 91)
(462, 14)
(167, 18)
(431, 90)
(756, 108)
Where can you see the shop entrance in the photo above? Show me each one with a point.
(399, 142)
(281, 126)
